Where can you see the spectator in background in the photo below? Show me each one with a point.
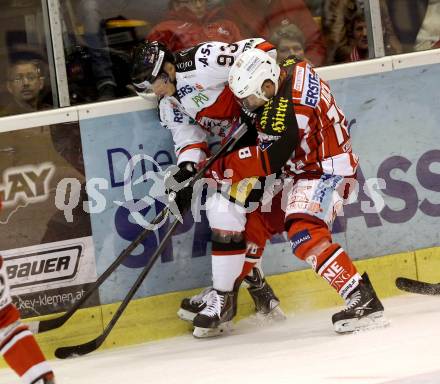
(90, 15)
(407, 17)
(337, 22)
(315, 7)
(289, 40)
(391, 42)
(336, 15)
(429, 33)
(24, 83)
(98, 33)
(260, 17)
(190, 22)
(357, 48)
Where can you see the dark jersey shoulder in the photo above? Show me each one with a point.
(186, 59)
(289, 62)
(279, 110)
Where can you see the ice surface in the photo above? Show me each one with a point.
(303, 349)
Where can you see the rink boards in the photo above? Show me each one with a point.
(154, 318)
(393, 115)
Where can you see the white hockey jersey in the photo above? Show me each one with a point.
(203, 102)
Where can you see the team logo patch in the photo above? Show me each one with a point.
(312, 89)
(299, 238)
(299, 79)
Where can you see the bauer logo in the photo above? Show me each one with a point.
(43, 267)
(299, 79)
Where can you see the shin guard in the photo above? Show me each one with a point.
(228, 254)
(310, 240)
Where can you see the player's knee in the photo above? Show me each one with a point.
(227, 242)
(319, 248)
(224, 236)
(309, 240)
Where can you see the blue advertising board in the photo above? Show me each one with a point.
(393, 119)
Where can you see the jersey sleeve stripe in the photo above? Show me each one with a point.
(202, 146)
(265, 46)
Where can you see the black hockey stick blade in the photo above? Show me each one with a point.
(79, 350)
(416, 286)
(90, 346)
(56, 322)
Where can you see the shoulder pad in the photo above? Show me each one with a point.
(185, 60)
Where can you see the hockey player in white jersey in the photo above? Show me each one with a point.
(194, 99)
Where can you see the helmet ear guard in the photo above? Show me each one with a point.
(249, 72)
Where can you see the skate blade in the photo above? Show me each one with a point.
(274, 316)
(374, 321)
(186, 315)
(202, 333)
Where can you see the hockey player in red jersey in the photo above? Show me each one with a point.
(320, 169)
(17, 344)
(194, 99)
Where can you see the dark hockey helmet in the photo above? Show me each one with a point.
(147, 64)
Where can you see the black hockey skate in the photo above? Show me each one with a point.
(191, 306)
(267, 305)
(48, 378)
(364, 310)
(216, 317)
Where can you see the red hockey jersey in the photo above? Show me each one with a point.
(324, 140)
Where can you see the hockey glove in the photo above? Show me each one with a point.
(258, 160)
(176, 180)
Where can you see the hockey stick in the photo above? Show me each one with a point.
(49, 324)
(416, 286)
(83, 349)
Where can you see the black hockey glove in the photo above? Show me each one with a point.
(247, 117)
(175, 180)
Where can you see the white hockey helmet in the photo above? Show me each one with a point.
(251, 69)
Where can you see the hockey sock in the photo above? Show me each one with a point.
(19, 347)
(247, 268)
(225, 270)
(335, 266)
